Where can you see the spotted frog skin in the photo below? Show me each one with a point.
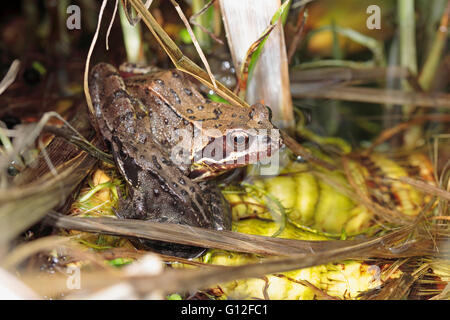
(141, 116)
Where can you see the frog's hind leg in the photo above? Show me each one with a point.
(151, 203)
(219, 206)
(125, 208)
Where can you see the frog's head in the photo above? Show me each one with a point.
(234, 137)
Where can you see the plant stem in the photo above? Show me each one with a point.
(244, 23)
(204, 20)
(408, 56)
(434, 56)
(408, 59)
(406, 20)
(132, 38)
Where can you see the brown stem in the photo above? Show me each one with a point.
(373, 95)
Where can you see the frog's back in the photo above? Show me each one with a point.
(175, 90)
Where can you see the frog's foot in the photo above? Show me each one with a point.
(124, 211)
(125, 208)
(218, 206)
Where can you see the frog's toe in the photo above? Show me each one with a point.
(125, 209)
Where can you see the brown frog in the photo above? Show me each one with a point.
(167, 139)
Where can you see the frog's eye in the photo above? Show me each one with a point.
(269, 111)
(238, 139)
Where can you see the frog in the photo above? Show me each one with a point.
(169, 142)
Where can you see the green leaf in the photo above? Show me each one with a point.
(255, 55)
(119, 262)
(39, 67)
(280, 12)
(174, 296)
(216, 98)
(185, 36)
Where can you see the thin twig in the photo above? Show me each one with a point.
(299, 150)
(423, 186)
(88, 59)
(111, 24)
(205, 30)
(10, 76)
(390, 132)
(432, 62)
(298, 34)
(374, 95)
(195, 42)
(80, 142)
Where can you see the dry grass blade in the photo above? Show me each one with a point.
(431, 64)
(22, 207)
(374, 95)
(26, 137)
(190, 280)
(424, 187)
(347, 74)
(232, 241)
(180, 61)
(176, 280)
(390, 132)
(134, 21)
(392, 216)
(321, 295)
(188, 235)
(36, 191)
(269, 61)
(198, 14)
(88, 59)
(298, 34)
(10, 76)
(80, 142)
(397, 289)
(195, 42)
(202, 10)
(115, 253)
(300, 151)
(111, 24)
(394, 289)
(61, 153)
